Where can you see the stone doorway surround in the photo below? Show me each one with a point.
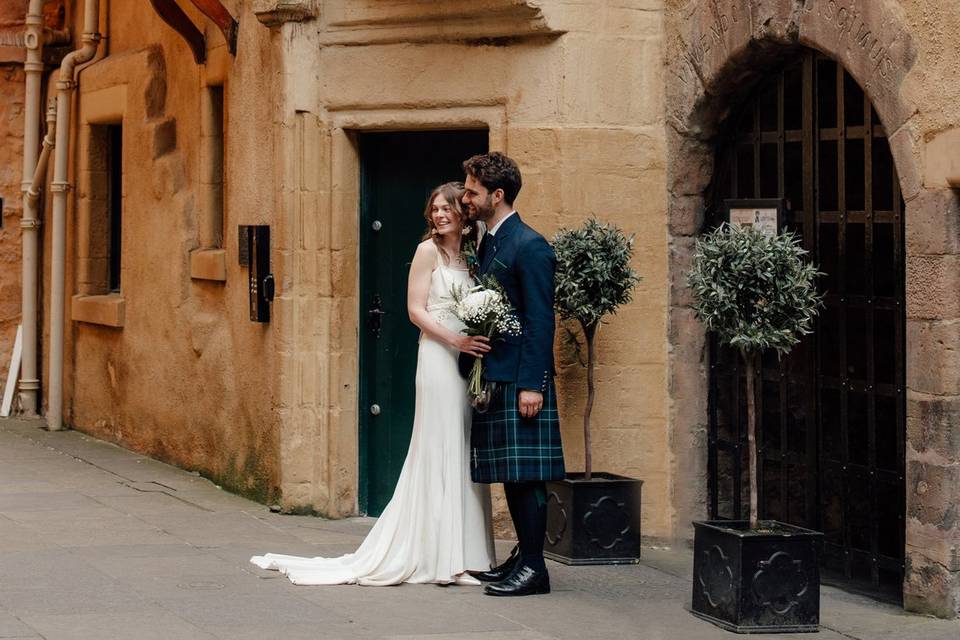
(715, 50)
(317, 310)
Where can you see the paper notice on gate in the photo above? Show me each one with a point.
(763, 219)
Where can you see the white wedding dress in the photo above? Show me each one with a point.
(437, 524)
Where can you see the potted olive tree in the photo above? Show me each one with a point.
(755, 292)
(593, 518)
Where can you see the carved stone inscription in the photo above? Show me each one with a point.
(709, 29)
(852, 26)
(716, 32)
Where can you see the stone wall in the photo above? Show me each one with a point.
(575, 97)
(11, 174)
(900, 54)
(11, 159)
(186, 377)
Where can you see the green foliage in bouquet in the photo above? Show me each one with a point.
(593, 279)
(755, 292)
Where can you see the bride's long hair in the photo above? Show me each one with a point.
(452, 192)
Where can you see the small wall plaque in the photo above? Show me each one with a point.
(765, 215)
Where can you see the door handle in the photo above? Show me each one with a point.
(375, 315)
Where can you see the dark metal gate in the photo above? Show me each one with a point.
(832, 414)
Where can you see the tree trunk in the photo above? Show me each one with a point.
(750, 359)
(590, 333)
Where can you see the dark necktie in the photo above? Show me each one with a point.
(484, 245)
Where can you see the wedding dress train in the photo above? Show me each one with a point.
(437, 524)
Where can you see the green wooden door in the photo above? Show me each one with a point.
(398, 171)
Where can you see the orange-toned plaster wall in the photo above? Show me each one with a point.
(11, 158)
(187, 378)
(11, 154)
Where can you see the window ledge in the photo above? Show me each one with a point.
(208, 264)
(107, 310)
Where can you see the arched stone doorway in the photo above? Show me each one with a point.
(719, 50)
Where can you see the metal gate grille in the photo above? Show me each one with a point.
(832, 414)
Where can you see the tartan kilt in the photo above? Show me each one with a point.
(506, 447)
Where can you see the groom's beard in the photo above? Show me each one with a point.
(484, 212)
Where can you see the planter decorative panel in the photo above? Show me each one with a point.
(594, 521)
(763, 581)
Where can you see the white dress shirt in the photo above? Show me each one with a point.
(493, 231)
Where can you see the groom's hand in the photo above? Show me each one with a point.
(530, 403)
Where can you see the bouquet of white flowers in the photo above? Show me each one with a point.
(485, 310)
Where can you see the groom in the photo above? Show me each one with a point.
(517, 440)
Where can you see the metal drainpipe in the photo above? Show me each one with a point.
(60, 187)
(39, 175)
(29, 221)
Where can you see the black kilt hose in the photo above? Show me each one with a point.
(506, 447)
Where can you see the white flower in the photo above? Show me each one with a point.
(478, 303)
(485, 311)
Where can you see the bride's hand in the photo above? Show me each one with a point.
(474, 345)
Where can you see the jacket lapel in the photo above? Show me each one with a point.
(495, 242)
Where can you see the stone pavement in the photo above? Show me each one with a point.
(98, 542)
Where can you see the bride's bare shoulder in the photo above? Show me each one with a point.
(427, 247)
(426, 250)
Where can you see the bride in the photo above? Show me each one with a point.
(436, 526)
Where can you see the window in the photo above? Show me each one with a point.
(115, 203)
(100, 210)
(208, 261)
(213, 161)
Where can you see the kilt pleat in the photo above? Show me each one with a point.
(506, 447)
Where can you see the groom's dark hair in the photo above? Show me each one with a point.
(495, 171)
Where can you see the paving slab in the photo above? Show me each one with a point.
(74, 599)
(13, 627)
(44, 501)
(99, 542)
(154, 624)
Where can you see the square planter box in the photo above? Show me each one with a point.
(595, 521)
(764, 581)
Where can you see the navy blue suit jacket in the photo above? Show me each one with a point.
(523, 263)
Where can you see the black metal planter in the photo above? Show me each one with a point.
(763, 581)
(594, 521)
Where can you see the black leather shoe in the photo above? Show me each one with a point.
(499, 573)
(524, 581)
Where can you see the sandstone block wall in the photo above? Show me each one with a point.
(900, 53)
(575, 95)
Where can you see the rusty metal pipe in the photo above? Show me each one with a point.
(215, 10)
